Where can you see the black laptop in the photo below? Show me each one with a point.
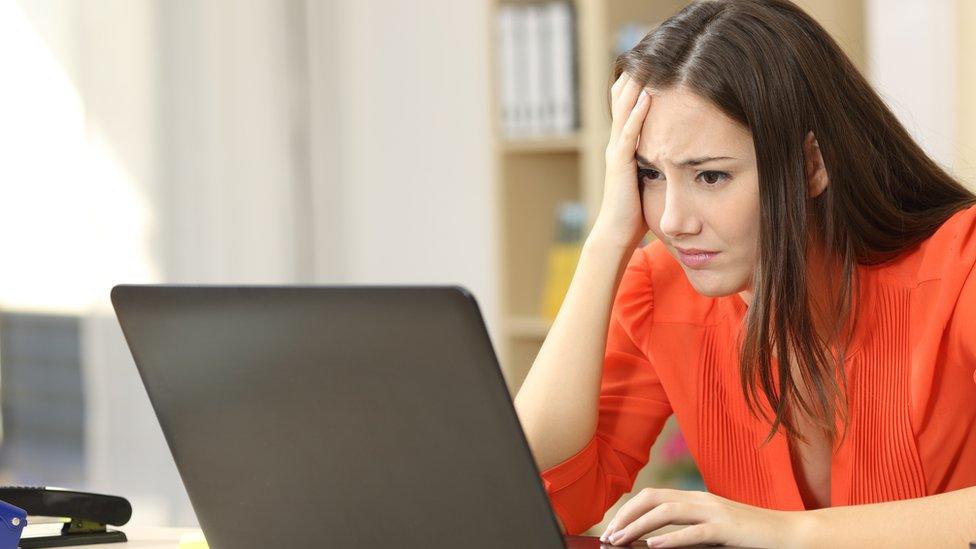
(338, 416)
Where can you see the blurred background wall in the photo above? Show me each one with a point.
(274, 141)
(223, 141)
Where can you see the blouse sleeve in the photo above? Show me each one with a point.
(964, 318)
(633, 408)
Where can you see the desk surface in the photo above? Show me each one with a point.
(146, 538)
(169, 538)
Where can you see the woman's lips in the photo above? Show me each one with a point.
(694, 257)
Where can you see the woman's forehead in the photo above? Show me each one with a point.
(681, 124)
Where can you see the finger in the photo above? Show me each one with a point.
(699, 534)
(627, 140)
(617, 86)
(644, 501)
(623, 144)
(669, 512)
(623, 106)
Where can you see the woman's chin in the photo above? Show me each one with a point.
(711, 284)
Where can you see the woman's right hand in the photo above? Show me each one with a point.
(621, 217)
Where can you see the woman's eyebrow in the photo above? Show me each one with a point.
(645, 163)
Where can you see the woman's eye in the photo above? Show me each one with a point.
(709, 178)
(712, 178)
(647, 173)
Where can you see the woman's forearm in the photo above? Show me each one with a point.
(941, 520)
(557, 402)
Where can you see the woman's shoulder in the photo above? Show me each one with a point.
(948, 254)
(655, 281)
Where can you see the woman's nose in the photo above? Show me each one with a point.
(679, 216)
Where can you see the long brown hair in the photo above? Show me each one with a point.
(774, 69)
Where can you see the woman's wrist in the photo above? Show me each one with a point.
(609, 240)
(799, 529)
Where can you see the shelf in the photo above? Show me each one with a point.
(554, 144)
(526, 327)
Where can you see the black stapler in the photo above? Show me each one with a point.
(87, 514)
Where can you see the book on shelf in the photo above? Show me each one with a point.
(536, 69)
(563, 256)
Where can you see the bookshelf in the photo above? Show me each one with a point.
(533, 175)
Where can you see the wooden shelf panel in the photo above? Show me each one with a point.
(521, 354)
(527, 327)
(550, 144)
(532, 187)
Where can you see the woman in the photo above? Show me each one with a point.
(806, 311)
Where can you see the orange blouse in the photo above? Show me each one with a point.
(911, 375)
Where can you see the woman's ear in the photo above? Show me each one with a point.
(814, 169)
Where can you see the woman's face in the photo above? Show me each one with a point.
(694, 203)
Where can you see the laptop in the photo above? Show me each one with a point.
(338, 416)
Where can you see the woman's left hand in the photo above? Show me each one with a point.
(712, 519)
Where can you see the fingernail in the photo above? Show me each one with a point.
(655, 541)
(616, 537)
(606, 533)
(642, 97)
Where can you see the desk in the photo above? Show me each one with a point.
(169, 538)
(145, 538)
